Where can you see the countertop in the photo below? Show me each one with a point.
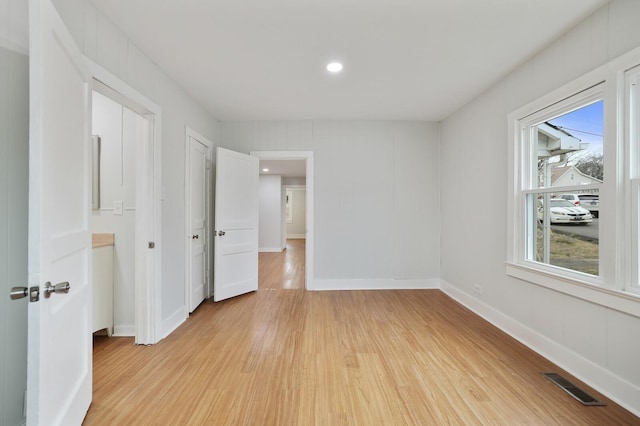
(103, 240)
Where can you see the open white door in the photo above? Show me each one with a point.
(59, 342)
(199, 209)
(236, 220)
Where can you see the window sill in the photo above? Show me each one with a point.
(622, 301)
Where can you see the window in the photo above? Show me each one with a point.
(574, 204)
(563, 150)
(632, 134)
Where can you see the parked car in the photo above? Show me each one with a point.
(590, 202)
(564, 211)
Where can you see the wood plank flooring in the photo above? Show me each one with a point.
(284, 356)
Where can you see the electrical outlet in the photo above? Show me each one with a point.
(478, 289)
(117, 208)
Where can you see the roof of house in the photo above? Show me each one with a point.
(558, 172)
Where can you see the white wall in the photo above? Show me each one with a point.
(120, 131)
(376, 196)
(270, 216)
(14, 190)
(592, 341)
(106, 45)
(294, 180)
(298, 225)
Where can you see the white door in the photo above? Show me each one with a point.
(198, 206)
(59, 342)
(236, 220)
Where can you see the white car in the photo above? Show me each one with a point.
(590, 202)
(563, 211)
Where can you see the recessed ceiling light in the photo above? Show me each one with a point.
(265, 170)
(334, 67)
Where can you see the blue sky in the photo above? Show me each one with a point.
(585, 124)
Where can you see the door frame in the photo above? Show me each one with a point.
(190, 133)
(148, 294)
(307, 156)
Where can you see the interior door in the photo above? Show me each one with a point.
(59, 342)
(236, 222)
(198, 154)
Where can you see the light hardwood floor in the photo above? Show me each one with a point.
(284, 356)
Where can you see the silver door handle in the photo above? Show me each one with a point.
(61, 288)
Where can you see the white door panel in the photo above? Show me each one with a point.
(236, 219)
(59, 353)
(198, 201)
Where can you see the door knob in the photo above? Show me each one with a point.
(61, 288)
(195, 236)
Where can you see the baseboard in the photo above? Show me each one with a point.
(296, 236)
(124, 330)
(270, 250)
(616, 388)
(174, 321)
(376, 284)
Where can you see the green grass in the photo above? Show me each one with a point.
(572, 253)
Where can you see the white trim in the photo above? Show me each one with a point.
(632, 165)
(124, 331)
(172, 322)
(270, 250)
(616, 388)
(189, 134)
(296, 236)
(626, 302)
(149, 218)
(308, 157)
(377, 284)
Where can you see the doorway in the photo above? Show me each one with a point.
(118, 132)
(131, 203)
(272, 160)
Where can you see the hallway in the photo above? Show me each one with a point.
(284, 270)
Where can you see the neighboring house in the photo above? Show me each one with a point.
(570, 175)
(553, 141)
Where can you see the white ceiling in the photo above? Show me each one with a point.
(284, 168)
(403, 59)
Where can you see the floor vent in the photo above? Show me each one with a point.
(572, 389)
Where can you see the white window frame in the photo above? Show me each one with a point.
(632, 154)
(617, 283)
(530, 178)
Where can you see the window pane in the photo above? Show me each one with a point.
(563, 230)
(569, 148)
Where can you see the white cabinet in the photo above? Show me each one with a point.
(103, 283)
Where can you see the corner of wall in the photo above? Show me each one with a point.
(604, 381)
